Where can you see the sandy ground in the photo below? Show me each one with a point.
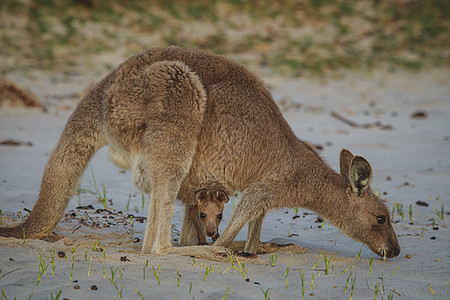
(409, 155)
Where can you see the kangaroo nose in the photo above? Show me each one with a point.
(210, 233)
(396, 251)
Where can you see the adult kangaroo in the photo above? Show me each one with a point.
(185, 119)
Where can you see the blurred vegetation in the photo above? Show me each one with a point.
(291, 37)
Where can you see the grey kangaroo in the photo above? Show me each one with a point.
(184, 119)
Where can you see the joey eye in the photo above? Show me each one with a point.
(219, 216)
(381, 220)
(202, 215)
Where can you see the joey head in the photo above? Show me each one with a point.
(207, 213)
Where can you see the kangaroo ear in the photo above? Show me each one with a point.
(201, 195)
(222, 197)
(344, 161)
(360, 175)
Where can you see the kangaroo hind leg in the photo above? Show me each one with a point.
(169, 144)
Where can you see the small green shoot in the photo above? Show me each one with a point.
(378, 194)
(113, 273)
(441, 213)
(90, 264)
(390, 296)
(190, 288)
(128, 202)
(410, 212)
(52, 261)
(3, 275)
(71, 270)
(395, 271)
(421, 234)
(139, 293)
(353, 286)
(347, 269)
(143, 200)
(370, 266)
(119, 292)
(273, 259)
(74, 248)
(358, 257)
(429, 286)
(56, 296)
(286, 275)
(266, 294)
(95, 245)
(178, 278)
(225, 296)
(302, 278)
(377, 286)
(207, 270)
(348, 281)
(156, 273)
(312, 281)
(327, 261)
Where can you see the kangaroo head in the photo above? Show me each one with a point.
(366, 218)
(209, 213)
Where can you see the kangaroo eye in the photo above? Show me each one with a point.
(202, 215)
(219, 216)
(381, 220)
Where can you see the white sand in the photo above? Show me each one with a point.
(415, 155)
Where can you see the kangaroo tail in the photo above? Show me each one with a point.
(81, 138)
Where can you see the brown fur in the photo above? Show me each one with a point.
(207, 214)
(185, 119)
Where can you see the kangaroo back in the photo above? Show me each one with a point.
(81, 138)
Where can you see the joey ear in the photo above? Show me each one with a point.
(344, 161)
(360, 175)
(201, 195)
(222, 197)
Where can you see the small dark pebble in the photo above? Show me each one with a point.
(388, 178)
(75, 281)
(319, 219)
(247, 280)
(94, 287)
(420, 114)
(76, 287)
(318, 147)
(408, 256)
(435, 228)
(421, 203)
(256, 282)
(11, 259)
(85, 207)
(136, 240)
(432, 238)
(61, 254)
(295, 217)
(124, 258)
